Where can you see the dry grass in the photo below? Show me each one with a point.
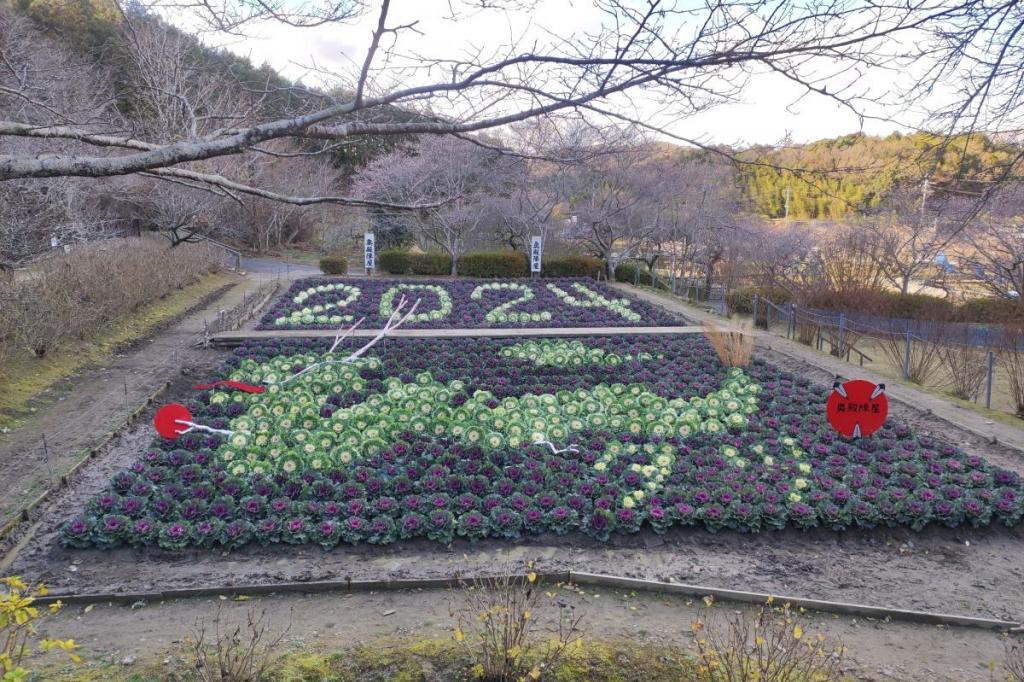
(71, 297)
(500, 628)
(734, 347)
(24, 377)
(239, 651)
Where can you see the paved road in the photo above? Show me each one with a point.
(265, 265)
(274, 266)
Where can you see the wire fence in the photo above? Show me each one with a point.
(962, 356)
(696, 290)
(50, 464)
(233, 318)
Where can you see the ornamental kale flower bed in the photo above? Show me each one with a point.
(496, 438)
(322, 303)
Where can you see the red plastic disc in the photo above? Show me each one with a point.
(857, 408)
(166, 420)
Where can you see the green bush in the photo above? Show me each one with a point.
(992, 310)
(572, 266)
(628, 272)
(500, 264)
(741, 300)
(394, 261)
(430, 263)
(631, 273)
(333, 265)
(883, 303)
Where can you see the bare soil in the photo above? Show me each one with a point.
(76, 414)
(118, 639)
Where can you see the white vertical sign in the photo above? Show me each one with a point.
(536, 248)
(369, 252)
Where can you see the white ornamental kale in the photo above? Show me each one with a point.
(387, 302)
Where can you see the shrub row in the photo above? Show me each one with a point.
(573, 266)
(885, 303)
(498, 264)
(75, 295)
(632, 273)
(402, 262)
(486, 264)
(741, 300)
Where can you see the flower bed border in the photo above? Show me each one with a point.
(566, 577)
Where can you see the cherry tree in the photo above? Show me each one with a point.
(457, 183)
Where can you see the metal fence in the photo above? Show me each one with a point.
(234, 318)
(916, 347)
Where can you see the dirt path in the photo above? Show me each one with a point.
(77, 414)
(924, 402)
(153, 632)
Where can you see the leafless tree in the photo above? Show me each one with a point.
(778, 254)
(42, 81)
(837, 257)
(994, 252)
(465, 183)
(605, 202)
(905, 240)
(687, 57)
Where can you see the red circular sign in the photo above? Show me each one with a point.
(857, 408)
(167, 417)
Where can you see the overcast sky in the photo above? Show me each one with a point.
(768, 113)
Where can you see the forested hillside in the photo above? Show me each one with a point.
(833, 179)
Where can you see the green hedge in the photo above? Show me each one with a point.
(401, 262)
(992, 310)
(628, 272)
(394, 261)
(632, 274)
(499, 264)
(741, 300)
(333, 265)
(572, 266)
(430, 263)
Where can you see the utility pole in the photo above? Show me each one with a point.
(787, 193)
(924, 195)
